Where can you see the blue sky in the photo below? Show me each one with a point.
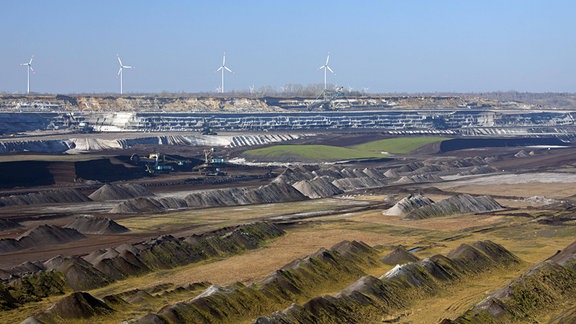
(381, 45)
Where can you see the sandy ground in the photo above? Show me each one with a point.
(546, 184)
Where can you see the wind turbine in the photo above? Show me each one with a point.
(122, 67)
(28, 68)
(222, 68)
(326, 68)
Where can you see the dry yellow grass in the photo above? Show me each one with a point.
(530, 241)
(253, 266)
(456, 299)
(208, 218)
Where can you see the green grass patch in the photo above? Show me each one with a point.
(398, 145)
(370, 150)
(310, 153)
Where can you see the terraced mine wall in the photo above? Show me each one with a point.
(238, 103)
(132, 103)
(78, 143)
(139, 128)
(466, 122)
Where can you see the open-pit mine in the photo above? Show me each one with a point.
(382, 209)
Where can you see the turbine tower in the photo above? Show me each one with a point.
(28, 68)
(122, 67)
(222, 68)
(326, 68)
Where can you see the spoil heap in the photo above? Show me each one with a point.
(76, 306)
(318, 187)
(45, 197)
(40, 236)
(408, 204)
(547, 288)
(364, 300)
(301, 277)
(418, 178)
(119, 191)
(369, 298)
(277, 191)
(96, 225)
(103, 267)
(399, 256)
(460, 204)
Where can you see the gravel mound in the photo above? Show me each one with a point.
(566, 257)
(45, 197)
(408, 204)
(79, 273)
(41, 235)
(117, 263)
(475, 259)
(149, 204)
(419, 178)
(399, 256)
(292, 175)
(102, 267)
(78, 305)
(391, 173)
(318, 187)
(547, 288)
(96, 225)
(478, 170)
(332, 172)
(521, 154)
(351, 184)
(234, 303)
(368, 299)
(277, 191)
(410, 167)
(119, 191)
(460, 204)
(28, 267)
(49, 234)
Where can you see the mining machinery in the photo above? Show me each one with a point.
(212, 164)
(330, 100)
(158, 163)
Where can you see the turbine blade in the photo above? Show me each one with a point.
(219, 69)
(329, 69)
(322, 67)
(227, 69)
(128, 67)
(120, 71)
(30, 67)
(31, 59)
(119, 61)
(224, 59)
(327, 59)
